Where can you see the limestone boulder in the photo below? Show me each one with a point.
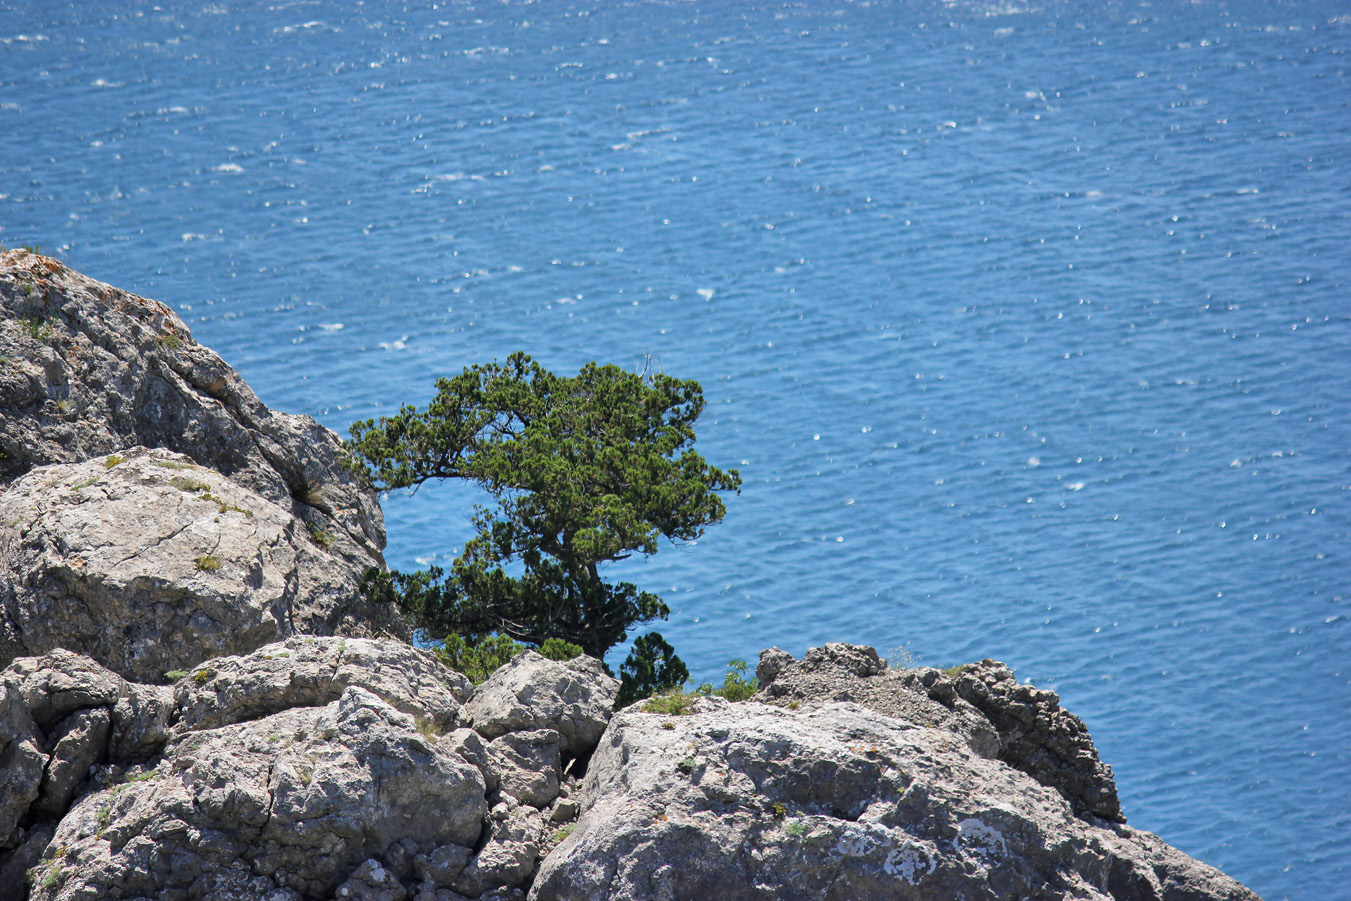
(59, 684)
(150, 563)
(22, 763)
(293, 803)
(532, 692)
(1036, 734)
(855, 673)
(837, 801)
(92, 369)
(312, 671)
(982, 702)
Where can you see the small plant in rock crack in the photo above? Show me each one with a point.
(110, 462)
(797, 829)
(208, 564)
(38, 329)
(687, 765)
(319, 536)
(174, 675)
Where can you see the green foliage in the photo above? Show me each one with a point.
(735, 685)
(207, 564)
(174, 464)
(53, 877)
(190, 485)
(563, 833)
(203, 676)
(671, 703)
(174, 675)
(80, 486)
(779, 810)
(318, 535)
(797, 829)
(583, 471)
(952, 672)
(477, 658)
(112, 461)
(171, 341)
(688, 765)
(37, 329)
(145, 776)
(651, 667)
(560, 650)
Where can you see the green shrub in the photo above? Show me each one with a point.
(207, 564)
(651, 667)
(671, 703)
(560, 650)
(112, 461)
(174, 675)
(735, 685)
(477, 659)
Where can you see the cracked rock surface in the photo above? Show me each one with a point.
(94, 369)
(753, 801)
(149, 563)
(1022, 725)
(317, 767)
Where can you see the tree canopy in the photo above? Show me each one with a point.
(583, 470)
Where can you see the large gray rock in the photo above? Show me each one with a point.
(60, 683)
(78, 743)
(293, 802)
(22, 762)
(1022, 725)
(150, 563)
(92, 369)
(855, 673)
(311, 672)
(532, 692)
(752, 801)
(1036, 734)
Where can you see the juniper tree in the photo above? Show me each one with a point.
(582, 471)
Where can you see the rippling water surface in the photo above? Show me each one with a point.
(1027, 325)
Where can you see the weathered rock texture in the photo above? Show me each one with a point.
(533, 692)
(90, 369)
(312, 768)
(149, 563)
(1021, 725)
(837, 802)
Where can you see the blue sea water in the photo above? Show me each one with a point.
(1027, 324)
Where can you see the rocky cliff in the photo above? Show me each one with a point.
(198, 704)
